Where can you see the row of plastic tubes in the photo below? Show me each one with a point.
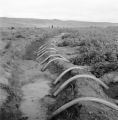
(44, 49)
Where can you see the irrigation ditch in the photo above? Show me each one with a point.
(44, 84)
(77, 94)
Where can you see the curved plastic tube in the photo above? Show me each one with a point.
(76, 77)
(43, 68)
(63, 73)
(45, 50)
(44, 45)
(84, 99)
(55, 55)
(41, 48)
(44, 54)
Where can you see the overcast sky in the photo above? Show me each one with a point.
(84, 10)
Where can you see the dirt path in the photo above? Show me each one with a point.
(35, 86)
(27, 79)
(31, 105)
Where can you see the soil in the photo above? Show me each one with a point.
(27, 95)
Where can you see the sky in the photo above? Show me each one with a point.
(82, 10)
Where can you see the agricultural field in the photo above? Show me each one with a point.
(59, 73)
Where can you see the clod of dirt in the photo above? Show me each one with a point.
(112, 80)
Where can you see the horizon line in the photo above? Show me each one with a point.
(74, 20)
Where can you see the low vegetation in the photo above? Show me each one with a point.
(96, 47)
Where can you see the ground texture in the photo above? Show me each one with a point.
(26, 92)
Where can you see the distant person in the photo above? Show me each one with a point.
(52, 27)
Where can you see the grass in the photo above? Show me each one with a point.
(9, 110)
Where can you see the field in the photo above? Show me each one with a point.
(28, 90)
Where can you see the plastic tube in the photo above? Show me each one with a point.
(44, 54)
(84, 99)
(43, 68)
(55, 55)
(67, 70)
(76, 77)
